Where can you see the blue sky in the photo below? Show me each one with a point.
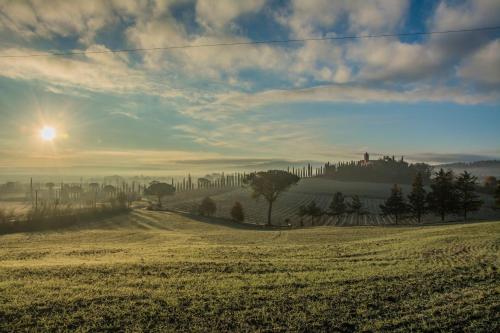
(431, 98)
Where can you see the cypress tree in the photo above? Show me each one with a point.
(356, 207)
(395, 205)
(338, 206)
(312, 210)
(468, 199)
(417, 198)
(442, 199)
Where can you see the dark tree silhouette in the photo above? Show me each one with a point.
(338, 206)
(356, 207)
(109, 190)
(497, 197)
(442, 199)
(94, 187)
(468, 199)
(312, 210)
(207, 207)
(417, 199)
(395, 205)
(159, 190)
(270, 184)
(237, 212)
(301, 213)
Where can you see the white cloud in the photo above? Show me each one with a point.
(258, 136)
(466, 14)
(382, 59)
(309, 18)
(215, 14)
(95, 72)
(226, 105)
(484, 65)
(62, 18)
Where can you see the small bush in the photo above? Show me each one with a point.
(237, 212)
(207, 207)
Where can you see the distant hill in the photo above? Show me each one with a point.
(476, 164)
(478, 168)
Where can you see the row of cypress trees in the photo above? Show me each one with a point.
(448, 195)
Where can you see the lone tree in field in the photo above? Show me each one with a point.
(207, 207)
(442, 199)
(338, 206)
(417, 199)
(237, 212)
(356, 207)
(395, 205)
(159, 190)
(468, 199)
(312, 210)
(270, 184)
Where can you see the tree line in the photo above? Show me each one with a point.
(449, 195)
(384, 170)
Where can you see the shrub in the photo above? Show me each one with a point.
(237, 212)
(207, 207)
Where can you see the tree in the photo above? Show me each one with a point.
(312, 210)
(417, 202)
(490, 182)
(468, 199)
(395, 205)
(270, 184)
(122, 200)
(237, 212)
(356, 207)
(109, 190)
(159, 190)
(94, 188)
(338, 206)
(497, 197)
(442, 199)
(207, 207)
(50, 186)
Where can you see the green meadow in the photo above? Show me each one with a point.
(159, 271)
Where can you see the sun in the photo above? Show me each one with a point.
(48, 133)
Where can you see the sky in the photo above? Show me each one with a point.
(432, 98)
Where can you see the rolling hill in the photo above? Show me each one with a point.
(158, 271)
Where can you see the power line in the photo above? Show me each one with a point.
(275, 41)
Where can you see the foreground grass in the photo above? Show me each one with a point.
(152, 271)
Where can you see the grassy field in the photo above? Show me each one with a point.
(157, 271)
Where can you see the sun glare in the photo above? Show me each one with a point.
(48, 133)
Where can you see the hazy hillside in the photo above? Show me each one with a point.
(480, 168)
